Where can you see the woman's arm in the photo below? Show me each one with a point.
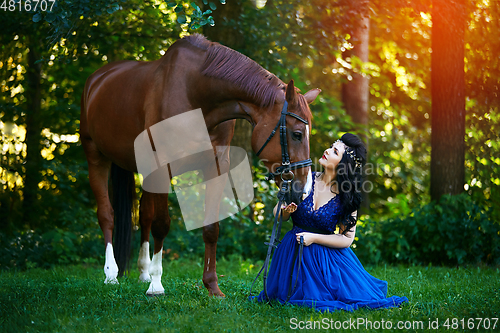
(337, 241)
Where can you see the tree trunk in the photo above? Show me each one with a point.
(33, 93)
(355, 93)
(448, 98)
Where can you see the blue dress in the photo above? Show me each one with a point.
(329, 279)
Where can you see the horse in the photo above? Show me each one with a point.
(123, 99)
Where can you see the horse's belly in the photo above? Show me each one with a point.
(115, 115)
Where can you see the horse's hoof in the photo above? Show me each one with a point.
(111, 281)
(216, 294)
(155, 294)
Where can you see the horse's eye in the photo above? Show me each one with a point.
(297, 136)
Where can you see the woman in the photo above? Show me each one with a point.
(329, 276)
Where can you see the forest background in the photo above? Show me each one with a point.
(381, 50)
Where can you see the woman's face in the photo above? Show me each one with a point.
(332, 156)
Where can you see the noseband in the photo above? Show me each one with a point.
(286, 167)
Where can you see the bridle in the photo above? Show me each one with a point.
(285, 169)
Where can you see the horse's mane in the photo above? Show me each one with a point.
(224, 63)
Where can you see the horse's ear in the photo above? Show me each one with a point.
(311, 95)
(290, 92)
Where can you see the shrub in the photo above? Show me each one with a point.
(453, 231)
(77, 238)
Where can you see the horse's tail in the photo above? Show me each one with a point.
(123, 194)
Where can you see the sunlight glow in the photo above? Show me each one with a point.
(426, 19)
(259, 3)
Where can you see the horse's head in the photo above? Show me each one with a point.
(298, 129)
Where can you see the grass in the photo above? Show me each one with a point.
(74, 298)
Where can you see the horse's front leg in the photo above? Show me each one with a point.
(210, 236)
(214, 195)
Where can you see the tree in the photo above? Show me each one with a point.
(25, 108)
(355, 91)
(448, 98)
(33, 90)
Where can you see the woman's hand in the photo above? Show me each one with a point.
(308, 238)
(290, 208)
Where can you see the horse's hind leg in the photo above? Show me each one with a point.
(154, 217)
(99, 167)
(145, 220)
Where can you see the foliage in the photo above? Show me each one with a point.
(454, 231)
(74, 298)
(482, 76)
(64, 17)
(76, 240)
(400, 109)
(62, 171)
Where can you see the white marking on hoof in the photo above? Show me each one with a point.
(143, 263)
(155, 288)
(110, 266)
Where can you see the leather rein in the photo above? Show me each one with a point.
(285, 169)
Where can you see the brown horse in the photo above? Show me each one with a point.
(125, 98)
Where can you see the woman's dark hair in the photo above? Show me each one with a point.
(350, 179)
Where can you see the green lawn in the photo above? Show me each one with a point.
(74, 298)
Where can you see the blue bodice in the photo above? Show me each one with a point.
(324, 218)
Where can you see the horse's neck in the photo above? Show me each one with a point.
(230, 103)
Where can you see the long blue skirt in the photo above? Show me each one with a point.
(329, 279)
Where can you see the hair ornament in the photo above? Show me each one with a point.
(351, 153)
